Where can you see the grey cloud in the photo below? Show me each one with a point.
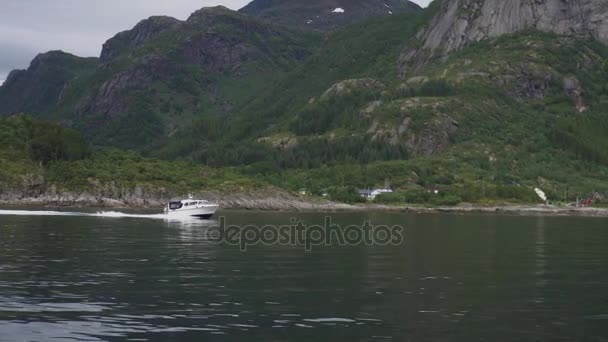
(12, 55)
(80, 27)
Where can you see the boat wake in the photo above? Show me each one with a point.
(39, 213)
(106, 214)
(116, 214)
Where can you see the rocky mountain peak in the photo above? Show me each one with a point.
(143, 32)
(461, 22)
(45, 62)
(151, 28)
(209, 11)
(325, 14)
(210, 16)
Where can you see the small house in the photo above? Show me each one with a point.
(366, 193)
(371, 194)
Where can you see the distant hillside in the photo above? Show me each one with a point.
(156, 78)
(326, 14)
(40, 88)
(461, 96)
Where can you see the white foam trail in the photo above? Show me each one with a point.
(113, 214)
(38, 213)
(106, 214)
(116, 214)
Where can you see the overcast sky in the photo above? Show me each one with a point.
(28, 27)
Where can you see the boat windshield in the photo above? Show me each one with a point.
(175, 205)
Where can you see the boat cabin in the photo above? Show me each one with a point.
(175, 205)
(185, 204)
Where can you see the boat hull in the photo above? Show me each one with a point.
(202, 212)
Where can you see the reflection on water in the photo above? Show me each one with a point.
(111, 277)
(541, 258)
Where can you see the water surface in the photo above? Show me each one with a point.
(103, 277)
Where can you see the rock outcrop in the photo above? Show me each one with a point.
(434, 137)
(574, 90)
(109, 102)
(459, 23)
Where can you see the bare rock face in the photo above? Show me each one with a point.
(525, 81)
(434, 137)
(109, 101)
(574, 90)
(461, 22)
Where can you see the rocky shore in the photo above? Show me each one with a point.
(146, 198)
(523, 210)
(35, 191)
(271, 199)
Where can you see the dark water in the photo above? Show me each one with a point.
(455, 278)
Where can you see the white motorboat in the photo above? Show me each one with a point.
(188, 208)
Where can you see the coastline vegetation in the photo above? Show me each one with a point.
(63, 158)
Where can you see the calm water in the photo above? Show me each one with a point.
(455, 278)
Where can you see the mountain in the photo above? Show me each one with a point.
(362, 50)
(519, 106)
(42, 85)
(201, 67)
(479, 97)
(458, 23)
(325, 14)
(153, 80)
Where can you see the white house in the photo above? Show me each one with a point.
(371, 194)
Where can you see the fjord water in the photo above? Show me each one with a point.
(71, 277)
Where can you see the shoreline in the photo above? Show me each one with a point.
(519, 210)
(292, 203)
(98, 195)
